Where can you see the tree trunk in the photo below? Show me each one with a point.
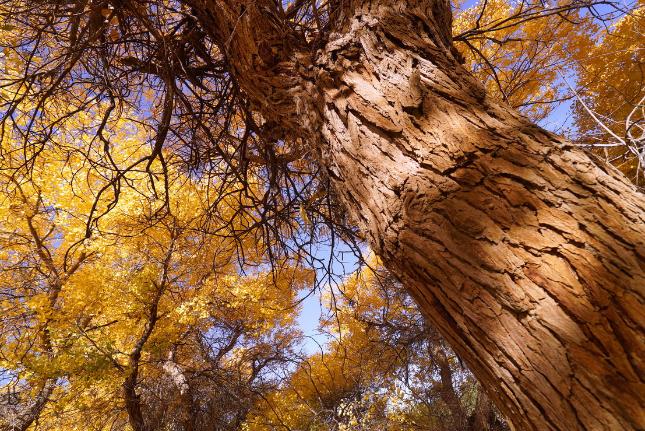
(456, 420)
(526, 255)
(25, 417)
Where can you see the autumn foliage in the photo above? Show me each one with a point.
(148, 282)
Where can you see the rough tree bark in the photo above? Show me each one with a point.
(527, 255)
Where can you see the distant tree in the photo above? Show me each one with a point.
(151, 323)
(385, 369)
(610, 109)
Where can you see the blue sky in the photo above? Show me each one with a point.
(343, 264)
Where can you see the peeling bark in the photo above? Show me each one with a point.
(527, 255)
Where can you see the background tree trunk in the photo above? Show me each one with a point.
(457, 417)
(527, 255)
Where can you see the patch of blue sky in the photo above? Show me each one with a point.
(336, 264)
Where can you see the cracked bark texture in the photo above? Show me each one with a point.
(526, 254)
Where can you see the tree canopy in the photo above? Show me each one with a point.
(157, 233)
